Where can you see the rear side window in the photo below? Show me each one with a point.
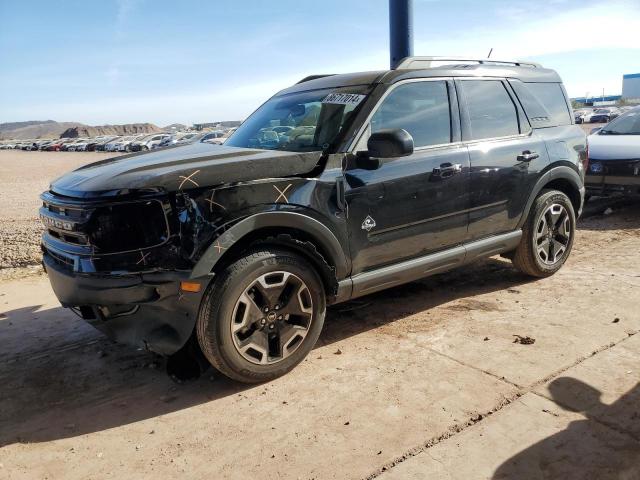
(421, 108)
(492, 113)
(544, 103)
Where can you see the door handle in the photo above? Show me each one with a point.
(447, 170)
(527, 156)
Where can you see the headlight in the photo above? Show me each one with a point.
(128, 226)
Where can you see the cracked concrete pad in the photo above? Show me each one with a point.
(530, 439)
(605, 387)
(74, 413)
(569, 315)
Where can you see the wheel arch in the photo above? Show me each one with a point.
(562, 178)
(292, 230)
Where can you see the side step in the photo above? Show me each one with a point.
(414, 269)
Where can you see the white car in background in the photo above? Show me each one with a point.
(149, 142)
(614, 156)
(75, 145)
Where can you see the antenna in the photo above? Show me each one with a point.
(490, 52)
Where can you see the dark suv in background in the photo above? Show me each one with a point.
(337, 187)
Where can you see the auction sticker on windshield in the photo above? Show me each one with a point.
(343, 98)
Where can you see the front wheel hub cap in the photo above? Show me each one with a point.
(287, 327)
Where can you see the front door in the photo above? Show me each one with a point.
(414, 205)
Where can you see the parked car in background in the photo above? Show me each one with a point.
(112, 146)
(99, 142)
(614, 156)
(578, 115)
(149, 142)
(77, 146)
(600, 115)
(180, 138)
(43, 144)
(218, 138)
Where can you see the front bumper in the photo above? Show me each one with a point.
(146, 310)
(603, 185)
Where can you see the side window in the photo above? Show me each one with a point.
(492, 113)
(550, 95)
(421, 108)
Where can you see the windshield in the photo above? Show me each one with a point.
(627, 124)
(299, 122)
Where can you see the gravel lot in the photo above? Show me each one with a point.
(422, 381)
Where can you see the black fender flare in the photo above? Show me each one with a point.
(319, 232)
(561, 172)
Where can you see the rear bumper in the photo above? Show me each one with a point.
(146, 310)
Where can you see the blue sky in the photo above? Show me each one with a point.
(121, 61)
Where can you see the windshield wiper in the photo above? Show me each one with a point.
(610, 132)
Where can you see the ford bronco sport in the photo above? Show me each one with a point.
(337, 187)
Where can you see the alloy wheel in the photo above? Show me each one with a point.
(553, 234)
(272, 317)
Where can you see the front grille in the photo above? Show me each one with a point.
(104, 228)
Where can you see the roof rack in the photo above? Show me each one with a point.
(314, 77)
(425, 62)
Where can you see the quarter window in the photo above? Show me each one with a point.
(551, 96)
(420, 108)
(492, 113)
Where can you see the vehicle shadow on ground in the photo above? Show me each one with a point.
(622, 213)
(94, 385)
(605, 444)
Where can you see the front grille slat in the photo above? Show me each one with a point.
(65, 263)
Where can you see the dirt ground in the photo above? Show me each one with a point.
(421, 381)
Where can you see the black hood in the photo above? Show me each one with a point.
(181, 168)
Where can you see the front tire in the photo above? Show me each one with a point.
(547, 236)
(262, 315)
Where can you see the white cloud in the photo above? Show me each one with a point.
(611, 24)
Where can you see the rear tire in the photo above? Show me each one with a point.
(547, 235)
(262, 315)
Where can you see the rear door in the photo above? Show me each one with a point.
(506, 155)
(414, 205)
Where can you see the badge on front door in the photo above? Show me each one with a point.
(368, 223)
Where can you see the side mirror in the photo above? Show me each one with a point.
(390, 143)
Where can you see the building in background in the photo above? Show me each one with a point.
(631, 86)
(598, 101)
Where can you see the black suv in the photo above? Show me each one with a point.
(337, 187)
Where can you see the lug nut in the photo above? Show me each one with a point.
(271, 327)
(263, 321)
(277, 307)
(279, 317)
(266, 309)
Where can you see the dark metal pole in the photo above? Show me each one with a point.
(400, 30)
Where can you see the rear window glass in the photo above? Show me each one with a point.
(544, 103)
(491, 110)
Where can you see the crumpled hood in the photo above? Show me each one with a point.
(181, 168)
(614, 147)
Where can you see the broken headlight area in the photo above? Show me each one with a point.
(128, 226)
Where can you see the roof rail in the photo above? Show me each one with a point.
(314, 77)
(425, 62)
